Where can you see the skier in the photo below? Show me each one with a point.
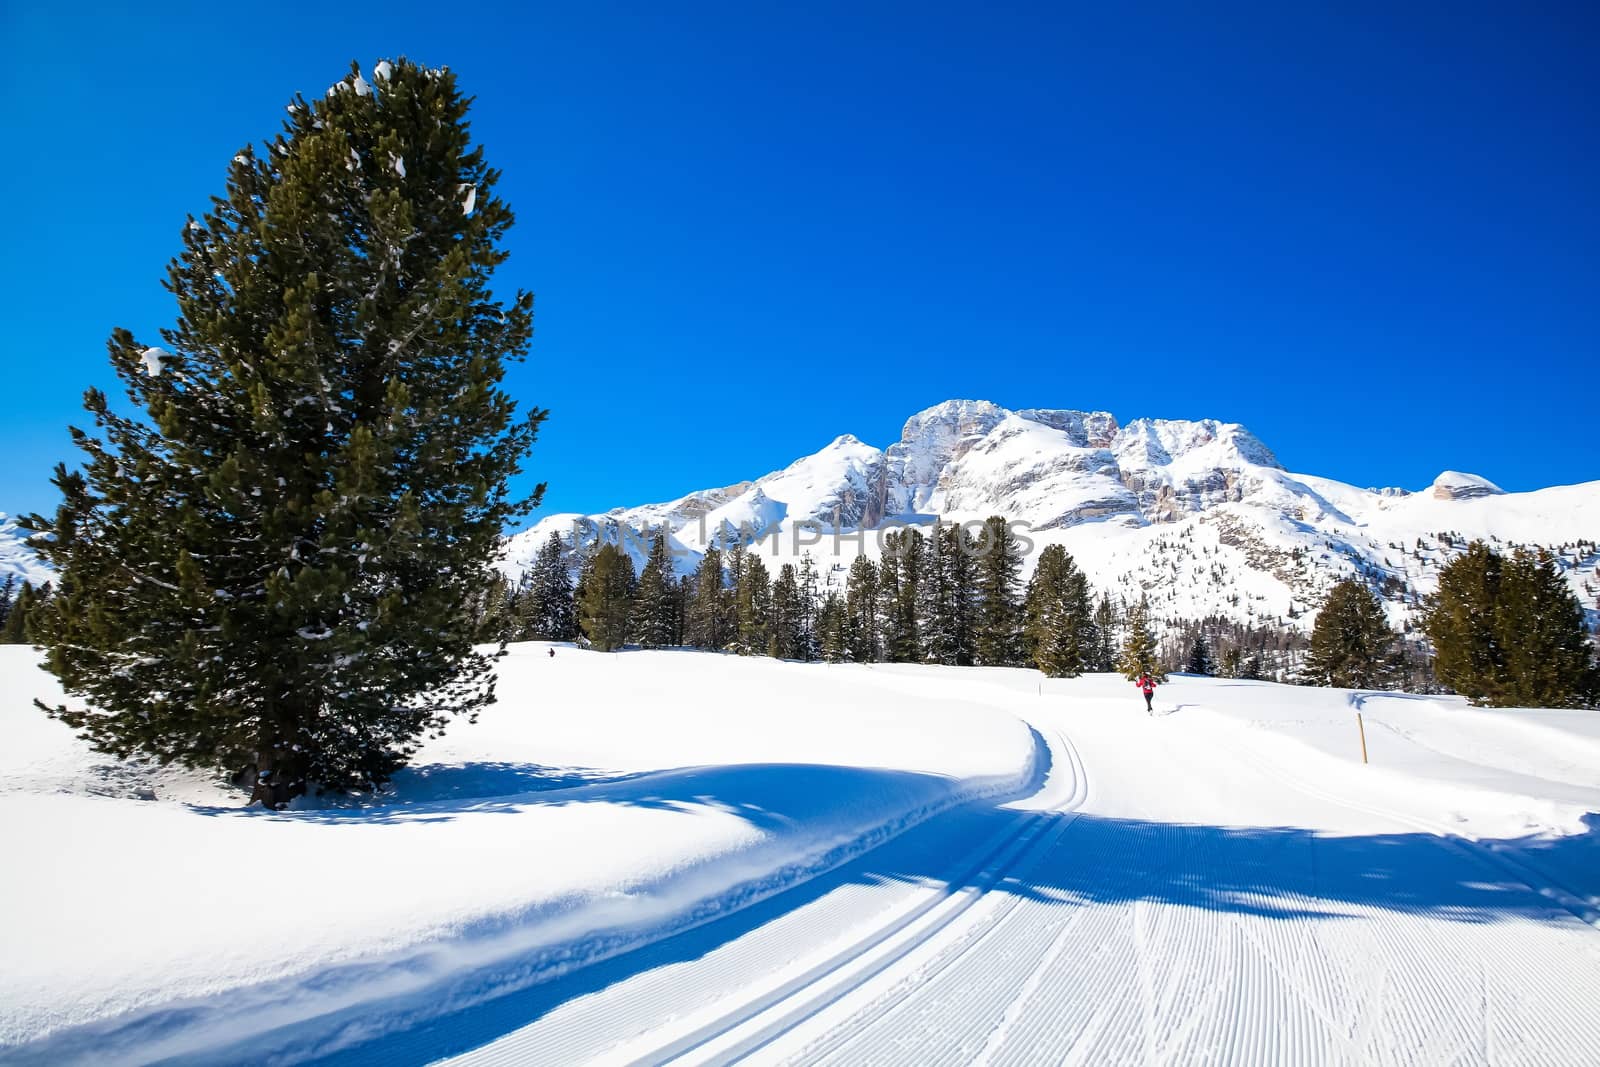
(1147, 685)
(552, 653)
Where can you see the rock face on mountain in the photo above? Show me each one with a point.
(1197, 516)
(1454, 485)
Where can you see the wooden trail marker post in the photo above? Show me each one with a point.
(1362, 727)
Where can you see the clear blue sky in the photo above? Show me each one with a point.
(1367, 231)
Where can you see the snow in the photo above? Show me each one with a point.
(17, 559)
(1110, 877)
(469, 199)
(361, 86)
(152, 359)
(398, 164)
(712, 781)
(382, 71)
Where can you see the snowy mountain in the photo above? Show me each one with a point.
(1200, 516)
(16, 559)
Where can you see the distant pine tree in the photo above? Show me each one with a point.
(1352, 646)
(607, 601)
(8, 596)
(783, 637)
(1139, 655)
(549, 602)
(1105, 632)
(861, 611)
(1199, 660)
(1060, 633)
(494, 611)
(947, 589)
(734, 558)
(831, 628)
(998, 642)
(704, 622)
(272, 568)
(655, 609)
(753, 607)
(898, 576)
(810, 601)
(16, 630)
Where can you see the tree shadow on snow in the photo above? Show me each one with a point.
(1273, 873)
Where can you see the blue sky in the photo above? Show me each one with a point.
(1367, 231)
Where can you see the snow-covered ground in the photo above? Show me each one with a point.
(816, 863)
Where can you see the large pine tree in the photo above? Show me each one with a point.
(1352, 646)
(1508, 632)
(271, 569)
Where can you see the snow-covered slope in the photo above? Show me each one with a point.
(16, 559)
(1199, 516)
(1223, 880)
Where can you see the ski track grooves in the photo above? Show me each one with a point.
(746, 1029)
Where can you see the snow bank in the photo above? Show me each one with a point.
(606, 801)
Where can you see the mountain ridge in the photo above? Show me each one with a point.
(1198, 516)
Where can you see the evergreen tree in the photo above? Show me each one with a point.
(831, 630)
(897, 578)
(1199, 660)
(1139, 646)
(754, 606)
(961, 561)
(935, 610)
(705, 613)
(16, 630)
(493, 616)
(1231, 662)
(683, 595)
(948, 595)
(655, 611)
(784, 637)
(1352, 646)
(549, 602)
(998, 641)
(1060, 632)
(861, 611)
(606, 605)
(272, 570)
(8, 596)
(1105, 632)
(810, 599)
(1508, 632)
(734, 560)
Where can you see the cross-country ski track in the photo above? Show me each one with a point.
(1161, 895)
(1198, 885)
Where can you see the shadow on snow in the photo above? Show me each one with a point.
(1274, 873)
